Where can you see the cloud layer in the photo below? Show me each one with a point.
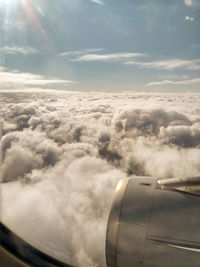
(14, 79)
(180, 82)
(62, 155)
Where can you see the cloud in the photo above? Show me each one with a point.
(69, 53)
(14, 50)
(99, 2)
(78, 52)
(169, 64)
(188, 2)
(12, 167)
(173, 76)
(181, 82)
(107, 57)
(13, 79)
(62, 154)
(184, 136)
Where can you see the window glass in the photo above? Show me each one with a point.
(92, 91)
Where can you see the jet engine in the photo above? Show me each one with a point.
(154, 223)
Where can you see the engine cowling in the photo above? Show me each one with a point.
(154, 222)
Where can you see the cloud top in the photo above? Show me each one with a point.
(62, 155)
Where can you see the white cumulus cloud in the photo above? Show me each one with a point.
(62, 154)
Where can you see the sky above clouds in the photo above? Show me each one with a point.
(105, 45)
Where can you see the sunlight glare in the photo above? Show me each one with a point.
(7, 3)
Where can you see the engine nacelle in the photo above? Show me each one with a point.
(154, 223)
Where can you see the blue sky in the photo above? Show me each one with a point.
(100, 45)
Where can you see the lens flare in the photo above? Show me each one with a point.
(7, 3)
(33, 18)
(10, 9)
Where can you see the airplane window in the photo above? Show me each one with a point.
(91, 92)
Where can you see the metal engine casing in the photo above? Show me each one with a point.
(154, 223)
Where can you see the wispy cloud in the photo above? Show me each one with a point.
(98, 2)
(181, 82)
(107, 57)
(12, 50)
(15, 79)
(69, 53)
(169, 64)
(174, 77)
(79, 52)
(188, 2)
